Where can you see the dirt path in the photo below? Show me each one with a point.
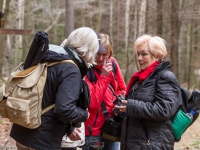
(190, 140)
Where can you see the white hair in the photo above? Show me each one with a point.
(63, 43)
(156, 45)
(84, 40)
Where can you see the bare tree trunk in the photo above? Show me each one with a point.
(127, 12)
(19, 38)
(188, 40)
(135, 30)
(99, 15)
(1, 62)
(118, 23)
(174, 35)
(111, 20)
(142, 15)
(147, 18)
(83, 14)
(1, 41)
(190, 55)
(183, 54)
(159, 17)
(69, 17)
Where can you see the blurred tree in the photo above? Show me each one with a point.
(111, 20)
(159, 17)
(141, 18)
(174, 36)
(127, 12)
(98, 23)
(69, 17)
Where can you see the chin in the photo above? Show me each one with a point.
(100, 64)
(142, 69)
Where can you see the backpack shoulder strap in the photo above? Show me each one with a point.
(64, 61)
(91, 75)
(105, 111)
(47, 109)
(114, 67)
(51, 64)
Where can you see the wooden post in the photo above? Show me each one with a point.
(15, 31)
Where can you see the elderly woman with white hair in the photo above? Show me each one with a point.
(149, 105)
(62, 88)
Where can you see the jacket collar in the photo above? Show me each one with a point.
(77, 59)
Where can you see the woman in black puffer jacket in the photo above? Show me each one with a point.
(150, 105)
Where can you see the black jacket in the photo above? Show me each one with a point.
(147, 124)
(62, 87)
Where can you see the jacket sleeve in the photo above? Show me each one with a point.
(121, 86)
(67, 96)
(97, 90)
(166, 101)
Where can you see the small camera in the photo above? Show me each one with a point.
(107, 61)
(118, 102)
(76, 125)
(92, 144)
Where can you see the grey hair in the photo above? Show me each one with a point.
(84, 40)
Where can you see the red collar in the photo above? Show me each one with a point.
(142, 75)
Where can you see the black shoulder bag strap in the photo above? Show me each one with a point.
(105, 111)
(114, 68)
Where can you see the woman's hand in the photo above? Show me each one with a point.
(74, 136)
(88, 114)
(122, 108)
(106, 68)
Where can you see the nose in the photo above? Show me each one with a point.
(101, 57)
(139, 57)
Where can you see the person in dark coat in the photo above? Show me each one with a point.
(148, 107)
(62, 87)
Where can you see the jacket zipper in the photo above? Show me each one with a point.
(136, 86)
(96, 117)
(147, 134)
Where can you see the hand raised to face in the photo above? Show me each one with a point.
(106, 68)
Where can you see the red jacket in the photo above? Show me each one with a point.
(100, 91)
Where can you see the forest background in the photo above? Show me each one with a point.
(176, 21)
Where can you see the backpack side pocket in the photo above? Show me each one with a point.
(3, 112)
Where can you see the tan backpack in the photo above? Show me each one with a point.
(21, 96)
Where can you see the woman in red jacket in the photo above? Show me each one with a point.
(104, 80)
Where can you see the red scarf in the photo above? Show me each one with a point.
(142, 75)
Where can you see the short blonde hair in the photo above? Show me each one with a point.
(107, 44)
(156, 45)
(84, 40)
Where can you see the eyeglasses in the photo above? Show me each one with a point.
(103, 55)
